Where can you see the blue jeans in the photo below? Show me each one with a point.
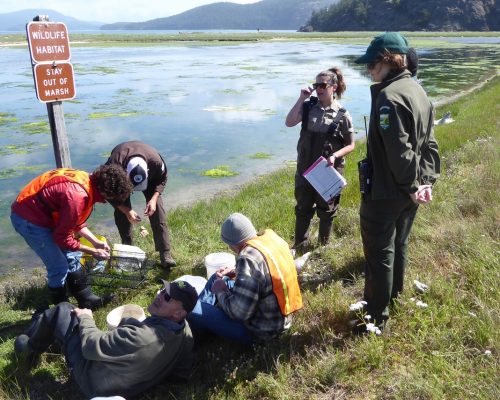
(57, 261)
(207, 317)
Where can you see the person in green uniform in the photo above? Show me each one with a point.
(327, 131)
(404, 163)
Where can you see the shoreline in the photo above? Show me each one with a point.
(447, 100)
(222, 37)
(190, 196)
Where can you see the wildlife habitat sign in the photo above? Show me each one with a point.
(48, 44)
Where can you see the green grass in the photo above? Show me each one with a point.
(438, 352)
(221, 38)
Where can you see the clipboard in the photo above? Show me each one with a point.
(325, 179)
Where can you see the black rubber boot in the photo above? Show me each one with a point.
(301, 231)
(79, 287)
(34, 341)
(57, 295)
(166, 260)
(325, 230)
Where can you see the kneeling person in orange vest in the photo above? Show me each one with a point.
(255, 300)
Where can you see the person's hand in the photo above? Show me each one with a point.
(150, 208)
(133, 217)
(226, 271)
(101, 254)
(306, 93)
(331, 160)
(219, 286)
(99, 244)
(82, 311)
(423, 194)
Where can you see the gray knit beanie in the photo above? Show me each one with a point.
(236, 229)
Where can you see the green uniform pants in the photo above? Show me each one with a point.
(385, 228)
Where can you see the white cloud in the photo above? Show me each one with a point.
(111, 10)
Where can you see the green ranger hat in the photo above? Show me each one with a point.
(392, 41)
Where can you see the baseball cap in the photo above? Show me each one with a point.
(182, 291)
(137, 170)
(392, 41)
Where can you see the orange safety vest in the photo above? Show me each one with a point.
(282, 268)
(33, 188)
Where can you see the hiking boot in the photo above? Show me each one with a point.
(79, 287)
(167, 261)
(24, 351)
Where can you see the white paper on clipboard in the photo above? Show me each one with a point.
(325, 179)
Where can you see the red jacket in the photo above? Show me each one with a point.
(60, 204)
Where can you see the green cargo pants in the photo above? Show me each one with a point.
(385, 228)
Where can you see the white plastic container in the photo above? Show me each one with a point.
(214, 261)
(127, 258)
(126, 311)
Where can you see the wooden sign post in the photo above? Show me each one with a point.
(48, 43)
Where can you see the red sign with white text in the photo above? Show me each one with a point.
(48, 41)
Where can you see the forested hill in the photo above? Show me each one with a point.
(266, 14)
(409, 15)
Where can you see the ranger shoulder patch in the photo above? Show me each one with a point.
(384, 117)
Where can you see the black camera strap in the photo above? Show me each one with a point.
(332, 129)
(306, 108)
(334, 126)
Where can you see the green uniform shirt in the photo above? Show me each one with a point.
(401, 144)
(312, 139)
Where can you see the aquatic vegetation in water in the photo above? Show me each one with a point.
(22, 148)
(219, 171)
(105, 154)
(123, 91)
(261, 156)
(5, 118)
(34, 128)
(250, 68)
(9, 173)
(99, 115)
(101, 70)
(71, 116)
(229, 91)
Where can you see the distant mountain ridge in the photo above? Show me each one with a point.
(409, 15)
(266, 14)
(17, 20)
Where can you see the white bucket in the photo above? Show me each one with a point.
(214, 261)
(126, 311)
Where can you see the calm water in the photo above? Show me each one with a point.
(200, 106)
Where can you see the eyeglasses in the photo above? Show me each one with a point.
(166, 296)
(371, 65)
(322, 85)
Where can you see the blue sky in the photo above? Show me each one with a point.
(112, 10)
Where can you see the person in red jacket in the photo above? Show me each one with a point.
(50, 214)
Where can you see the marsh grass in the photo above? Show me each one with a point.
(418, 39)
(448, 350)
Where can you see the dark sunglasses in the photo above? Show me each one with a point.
(371, 65)
(322, 85)
(166, 296)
